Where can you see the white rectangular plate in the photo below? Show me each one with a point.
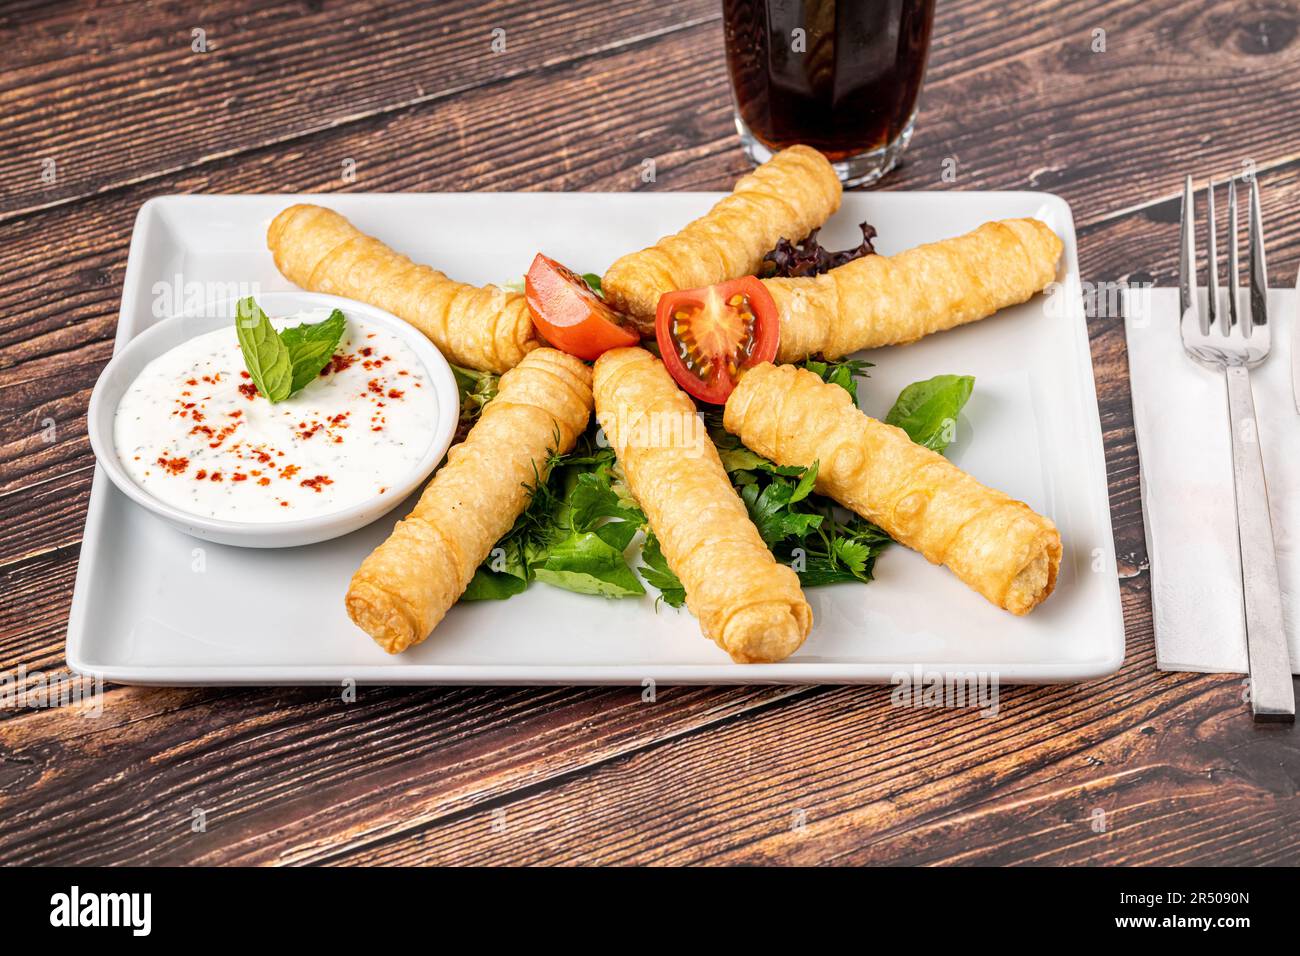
(155, 606)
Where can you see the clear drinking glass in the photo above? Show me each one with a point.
(840, 75)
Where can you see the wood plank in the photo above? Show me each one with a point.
(59, 318)
(1129, 108)
(840, 776)
(1184, 776)
(272, 74)
(281, 775)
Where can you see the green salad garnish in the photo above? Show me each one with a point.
(581, 521)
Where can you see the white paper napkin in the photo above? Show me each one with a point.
(1180, 414)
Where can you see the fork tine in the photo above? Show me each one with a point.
(1258, 271)
(1234, 263)
(1187, 257)
(1212, 267)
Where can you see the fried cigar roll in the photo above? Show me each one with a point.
(752, 607)
(891, 300)
(487, 328)
(788, 197)
(995, 544)
(406, 585)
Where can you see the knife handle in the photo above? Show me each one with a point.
(1272, 696)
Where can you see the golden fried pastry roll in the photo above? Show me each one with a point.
(788, 197)
(406, 585)
(891, 300)
(746, 602)
(996, 544)
(486, 328)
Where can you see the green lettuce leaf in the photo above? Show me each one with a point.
(589, 564)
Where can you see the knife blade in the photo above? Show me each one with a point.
(1295, 347)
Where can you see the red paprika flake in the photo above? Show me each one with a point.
(248, 390)
(315, 484)
(175, 466)
(338, 362)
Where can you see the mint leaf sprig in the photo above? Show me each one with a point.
(285, 362)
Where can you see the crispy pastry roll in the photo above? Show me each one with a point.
(789, 196)
(996, 544)
(746, 602)
(480, 328)
(406, 585)
(891, 300)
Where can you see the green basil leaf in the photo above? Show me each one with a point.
(311, 346)
(265, 355)
(928, 410)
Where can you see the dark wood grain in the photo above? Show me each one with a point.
(583, 94)
(271, 74)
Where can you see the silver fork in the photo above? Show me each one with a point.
(1234, 340)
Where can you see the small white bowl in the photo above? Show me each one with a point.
(131, 359)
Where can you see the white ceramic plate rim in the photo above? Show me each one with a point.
(1091, 460)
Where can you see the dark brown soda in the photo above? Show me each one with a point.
(854, 86)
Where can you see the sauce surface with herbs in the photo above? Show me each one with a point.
(194, 431)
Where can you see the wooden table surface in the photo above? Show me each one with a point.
(115, 102)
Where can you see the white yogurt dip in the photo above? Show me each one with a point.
(193, 431)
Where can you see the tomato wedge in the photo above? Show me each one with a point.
(708, 337)
(569, 315)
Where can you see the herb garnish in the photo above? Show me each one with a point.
(810, 258)
(573, 534)
(476, 390)
(312, 346)
(281, 363)
(927, 410)
(822, 542)
(581, 520)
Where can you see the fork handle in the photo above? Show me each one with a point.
(1272, 696)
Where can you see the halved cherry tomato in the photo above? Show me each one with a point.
(569, 315)
(707, 337)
